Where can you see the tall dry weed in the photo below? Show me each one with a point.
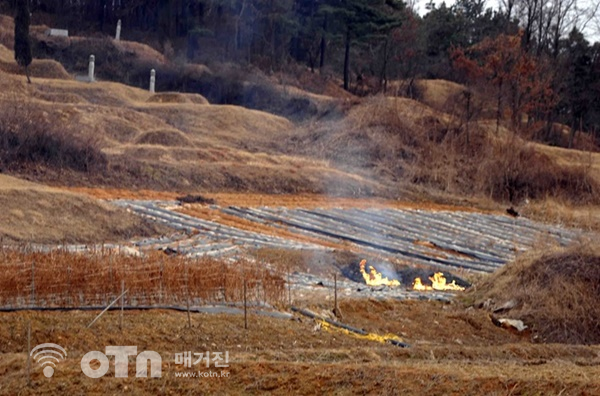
(554, 291)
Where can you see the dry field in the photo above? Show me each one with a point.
(454, 347)
(453, 352)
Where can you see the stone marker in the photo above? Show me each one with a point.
(152, 80)
(91, 68)
(118, 34)
(57, 32)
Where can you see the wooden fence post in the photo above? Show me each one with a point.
(32, 282)
(187, 288)
(245, 307)
(122, 303)
(289, 287)
(335, 304)
(29, 353)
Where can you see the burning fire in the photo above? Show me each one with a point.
(374, 278)
(438, 282)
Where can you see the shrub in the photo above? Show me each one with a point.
(514, 170)
(555, 293)
(400, 139)
(28, 137)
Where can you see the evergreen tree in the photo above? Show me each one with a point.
(360, 20)
(578, 79)
(22, 42)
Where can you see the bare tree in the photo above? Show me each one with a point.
(546, 22)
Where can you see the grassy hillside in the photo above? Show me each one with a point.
(35, 213)
(114, 135)
(162, 141)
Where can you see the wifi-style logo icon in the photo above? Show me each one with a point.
(47, 356)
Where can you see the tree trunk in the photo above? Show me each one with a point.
(238, 32)
(347, 61)
(323, 44)
(383, 75)
(468, 96)
(499, 107)
(573, 133)
(27, 74)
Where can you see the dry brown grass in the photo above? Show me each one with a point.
(31, 137)
(176, 97)
(171, 138)
(437, 93)
(39, 68)
(215, 147)
(7, 31)
(62, 279)
(35, 213)
(554, 291)
(588, 161)
(143, 52)
(513, 171)
(399, 139)
(586, 217)
(305, 81)
(379, 146)
(453, 352)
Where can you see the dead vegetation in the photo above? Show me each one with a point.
(453, 352)
(35, 213)
(405, 141)
(63, 279)
(111, 134)
(375, 146)
(130, 63)
(554, 292)
(586, 217)
(39, 68)
(175, 97)
(30, 137)
(169, 138)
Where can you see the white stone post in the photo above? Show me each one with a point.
(118, 34)
(91, 68)
(152, 80)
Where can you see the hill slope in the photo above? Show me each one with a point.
(35, 213)
(114, 135)
(162, 141)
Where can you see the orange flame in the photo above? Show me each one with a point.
(374, 278)
(438, 282)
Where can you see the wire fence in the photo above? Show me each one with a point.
(59, 278)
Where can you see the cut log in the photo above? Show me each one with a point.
(334, 323)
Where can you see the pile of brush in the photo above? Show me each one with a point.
(556, 293)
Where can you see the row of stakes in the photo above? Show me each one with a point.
(92, 64)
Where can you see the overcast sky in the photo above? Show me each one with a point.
(591, 31)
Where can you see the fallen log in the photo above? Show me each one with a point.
(390, 338)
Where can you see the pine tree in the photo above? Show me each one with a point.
(22, 42)
(358, 19)
(577, 80)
